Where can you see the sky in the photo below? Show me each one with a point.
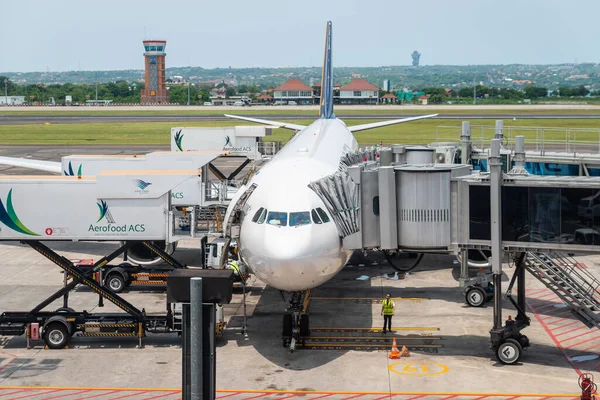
(72, 35)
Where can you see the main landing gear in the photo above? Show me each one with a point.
(295, 323)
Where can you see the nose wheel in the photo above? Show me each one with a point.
(296, 325)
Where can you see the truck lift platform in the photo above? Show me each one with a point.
(117, 278)
(59, 326)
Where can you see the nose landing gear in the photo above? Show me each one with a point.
(296, 326)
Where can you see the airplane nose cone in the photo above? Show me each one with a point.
(289, 259)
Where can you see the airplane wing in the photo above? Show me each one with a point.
(49, 166)
(364, 127)
(285, 125)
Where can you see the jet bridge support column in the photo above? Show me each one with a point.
(465, 140)
(496, 224)
(499, 131)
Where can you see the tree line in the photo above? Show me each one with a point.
(129, 92)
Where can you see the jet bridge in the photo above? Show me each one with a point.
(445, 208)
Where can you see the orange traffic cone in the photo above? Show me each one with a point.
(404, 352)
(394, 354)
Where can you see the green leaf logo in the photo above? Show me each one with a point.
(9, 218)
(105, 212)
(178, 138)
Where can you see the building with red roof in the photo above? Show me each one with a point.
(359, 91)
(389, 98)
(293, 90)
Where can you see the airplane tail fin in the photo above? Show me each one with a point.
(327, 79)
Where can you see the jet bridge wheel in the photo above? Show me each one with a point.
(475, 296)
(509, 352)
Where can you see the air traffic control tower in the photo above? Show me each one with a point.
(155, 91)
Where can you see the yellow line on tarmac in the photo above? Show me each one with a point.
(298, 391)
(376, 337)
(370, 298)
(333, 344)
(376, 329)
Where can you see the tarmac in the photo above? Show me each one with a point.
(346, 357)
(347, 353)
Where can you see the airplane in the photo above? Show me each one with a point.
(287, 237)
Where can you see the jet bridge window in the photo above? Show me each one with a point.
(277, 218)
(299, 218)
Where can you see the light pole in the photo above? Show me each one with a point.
(188, 103)
(474, 92)
(6, 90)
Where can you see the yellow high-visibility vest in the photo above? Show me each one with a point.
(388, 307)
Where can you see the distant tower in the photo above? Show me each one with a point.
(154, 60)
(415, 56)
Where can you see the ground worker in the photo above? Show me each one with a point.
(233, 265)
(388, 308)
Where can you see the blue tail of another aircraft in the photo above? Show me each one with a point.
(327, 79)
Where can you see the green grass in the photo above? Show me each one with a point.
(155, 133)
(283, 111)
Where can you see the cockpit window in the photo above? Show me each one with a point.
(262, 217)
(315, 217)
(299, 218)
(323, 215)
(257, 215)
(277, 218)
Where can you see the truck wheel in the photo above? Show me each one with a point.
(115, 283)
(475, 296)
(68, 310)
(56, 335)
(509, 352)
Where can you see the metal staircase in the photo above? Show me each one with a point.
(234, 217)
(575, 286)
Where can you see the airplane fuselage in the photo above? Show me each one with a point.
(287, 236)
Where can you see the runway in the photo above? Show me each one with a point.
(74, 118)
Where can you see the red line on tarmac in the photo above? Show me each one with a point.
(287, 397)
(165, 395)
(583, 334)
(479, 398)
(585, 341)
(558, 315)
(6, 394)
(531, 293)
(571, 330)
(68, 394)
(7, 364)
(98, 395)
(416, 397)
(448, 397)
(263, 394)
(591, 347)
(351, 397)
(321, 397)
(228, 395)
(34, 394)
(562, 326)
(387, 396)
(132, 394)
(548, 306)
(545, 296)
(556, 341)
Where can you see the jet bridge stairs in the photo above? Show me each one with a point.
(575, 286)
